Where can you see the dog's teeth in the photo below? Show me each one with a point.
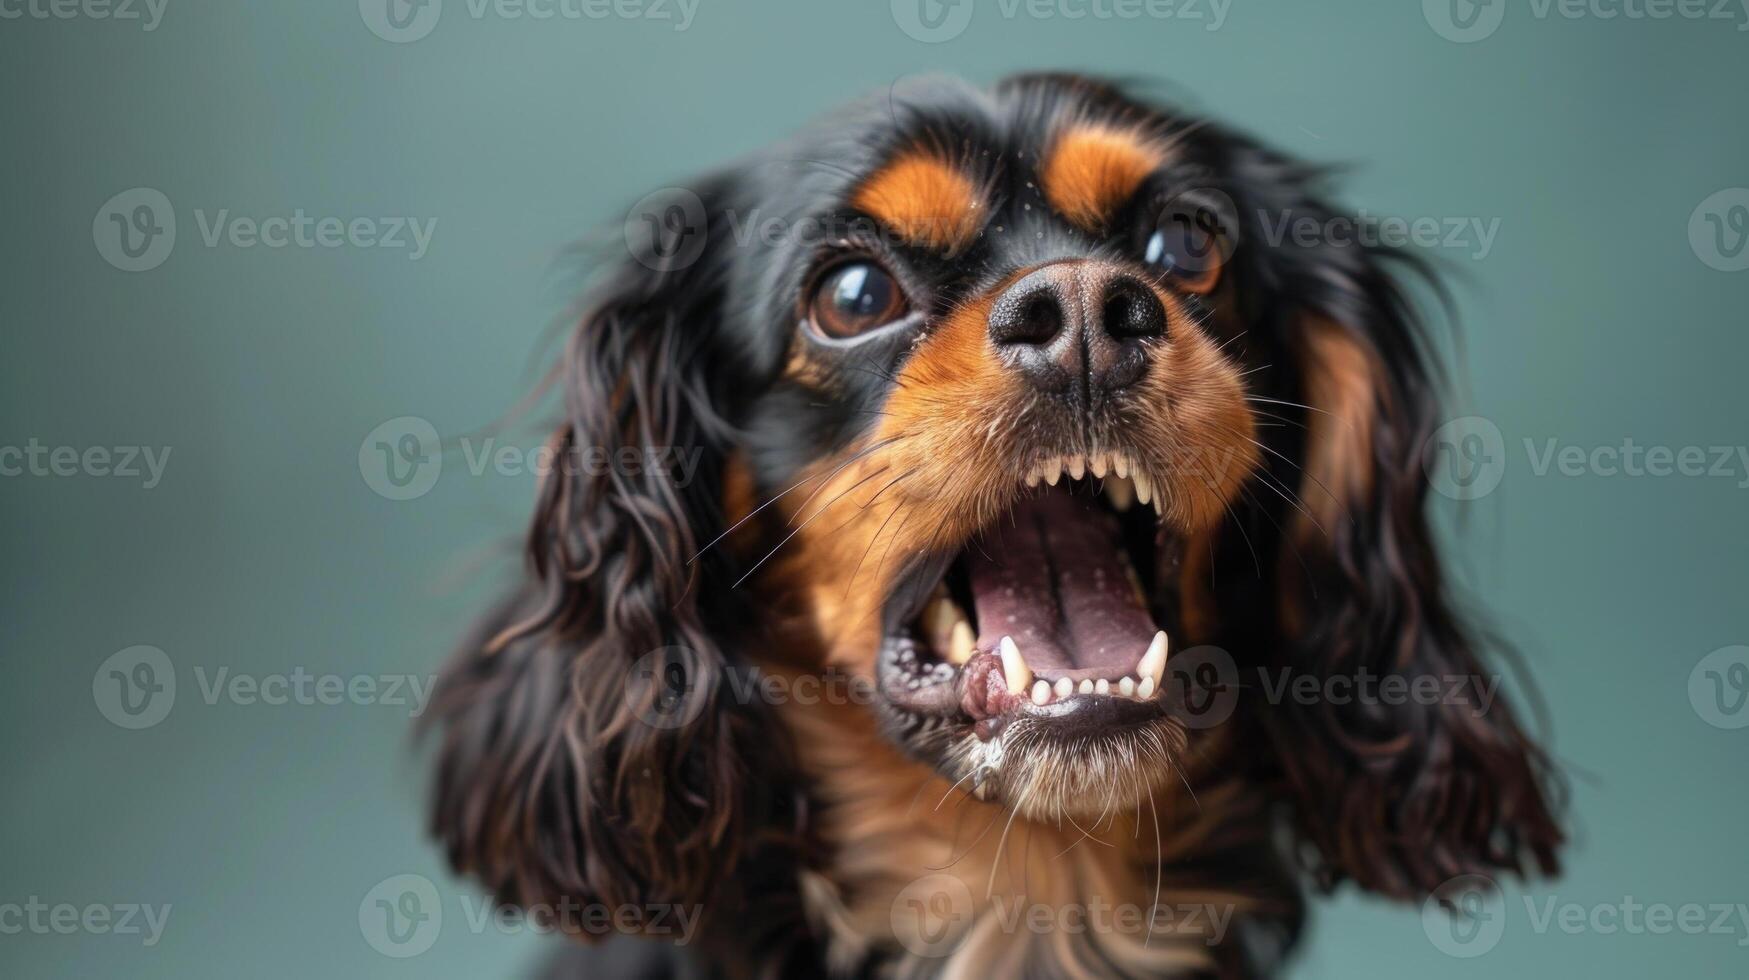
(1121, 493)
(1102, 686)
(962, 645)
(1033, 476)
(982, 790)
(1120, 464)
(1065, 687)
(1041, 693)
(939, 617)
(1145, 689)
(1086, 686)
(1144, 489)
(1127, 687)
(1015, 673)
(1152, 667)
(1097, 463)
(1053, 470)
(1159, 508)
(1077, 466)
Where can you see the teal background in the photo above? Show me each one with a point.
(263, 549)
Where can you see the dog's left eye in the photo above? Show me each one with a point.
(1186, 244)
(853, 298)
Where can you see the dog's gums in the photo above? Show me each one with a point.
(1056, 608)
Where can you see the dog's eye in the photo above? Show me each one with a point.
(853, 298)
(1186, 245)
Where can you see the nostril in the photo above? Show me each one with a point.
(1131, 309)
(1031, 319)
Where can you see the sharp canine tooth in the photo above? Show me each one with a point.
(939, 617)
(1144, 489)
(1120, 464)
(1121, 492)
(1041, 693)
(1015, 672)
(1145, 690)
(1126, 687)
(1086, 686)
(1077, 466)
(1102, 686)
(962, 645)
(1065, 687)
(1152, 667)
(1097, 464)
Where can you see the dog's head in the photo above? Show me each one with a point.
(997, 401)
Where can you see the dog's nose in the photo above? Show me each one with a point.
(1078, 327)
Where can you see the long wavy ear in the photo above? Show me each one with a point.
(1391, 791)
(570, 769)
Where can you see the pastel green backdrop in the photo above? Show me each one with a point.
(1592, 316)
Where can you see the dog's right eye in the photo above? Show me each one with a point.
(852, 298)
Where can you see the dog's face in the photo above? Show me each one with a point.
(1002, 400)
(1007, 401)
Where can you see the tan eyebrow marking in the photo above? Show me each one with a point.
(1094, 168)
(924, 200)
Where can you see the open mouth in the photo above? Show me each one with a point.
(1056, 611)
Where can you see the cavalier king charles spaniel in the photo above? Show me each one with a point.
(1049, 510)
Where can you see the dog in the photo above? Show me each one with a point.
(1050, 512)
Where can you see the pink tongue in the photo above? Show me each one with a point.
(1051, 575)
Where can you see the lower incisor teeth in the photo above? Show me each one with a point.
(1086, 686)
(1041, 692)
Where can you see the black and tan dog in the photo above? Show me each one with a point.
(1011, 412)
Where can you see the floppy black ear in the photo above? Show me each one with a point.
(1397, 794)
(589, 752)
